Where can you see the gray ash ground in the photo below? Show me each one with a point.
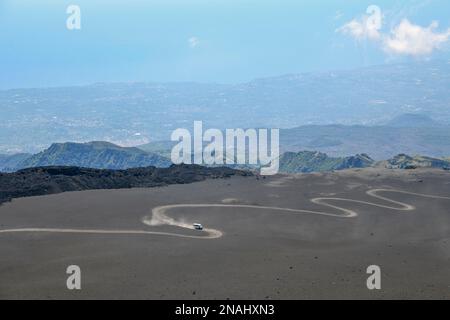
(263, 254)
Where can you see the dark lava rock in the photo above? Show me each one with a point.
(50, 180)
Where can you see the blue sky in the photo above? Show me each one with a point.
(208, 40)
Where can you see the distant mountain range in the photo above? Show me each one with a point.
(101, 155)
(104, 155)
(136, 113)
(403, 161)
(308, 161)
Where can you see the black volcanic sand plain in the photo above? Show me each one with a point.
(263, 253)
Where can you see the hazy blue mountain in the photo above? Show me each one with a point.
(101, 155)
(9, 163)
(309, 161)
(136, 113)
(413, 120)
(163, 148)
(381, 142)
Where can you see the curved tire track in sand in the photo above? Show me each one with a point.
(159, 216)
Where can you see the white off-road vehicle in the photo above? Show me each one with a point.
(198, 226)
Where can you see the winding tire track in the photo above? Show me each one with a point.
(159, 216)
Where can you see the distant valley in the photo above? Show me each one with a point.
(357, 101)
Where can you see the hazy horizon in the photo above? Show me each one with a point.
(275, 76)
(200, 41)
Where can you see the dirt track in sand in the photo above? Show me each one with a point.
(159, 216)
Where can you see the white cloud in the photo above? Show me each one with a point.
(365, 27)
(405, 38)
(411, 39)
(358, 29)
(193, 42)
